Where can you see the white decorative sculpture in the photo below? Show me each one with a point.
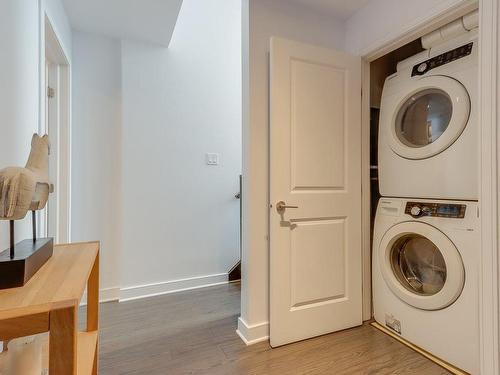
(22, 190)
(28, 188)
(24, 356)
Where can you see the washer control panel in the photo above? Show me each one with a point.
(444, 58)
(419, 209)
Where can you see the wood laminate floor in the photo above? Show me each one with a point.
(194, 333)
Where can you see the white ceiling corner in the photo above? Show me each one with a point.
(151, 21)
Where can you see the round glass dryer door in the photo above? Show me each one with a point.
(430, 117)
(421, 265)
(424, 117)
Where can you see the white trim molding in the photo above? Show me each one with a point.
(52, 49)
(105, 295)
(366, 246)
(117, 294)
(166, 287)
(489, 99)
(252, 334)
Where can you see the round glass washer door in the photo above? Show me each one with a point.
(430, 117)
(418, 264)
(421, 266)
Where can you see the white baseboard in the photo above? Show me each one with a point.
(105, 295)
(252, 334)
(156, 289)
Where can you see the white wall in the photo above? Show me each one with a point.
(19, 38)
(382, 20)
(180, 216)
(96, 153)
(22, 52)
(267, 18)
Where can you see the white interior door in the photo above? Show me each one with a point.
(316, 265)
(56, 218)
(52, 129)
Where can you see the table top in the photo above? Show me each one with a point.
(58, 284)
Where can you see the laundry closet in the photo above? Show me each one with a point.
(424, 180)
(408, 253)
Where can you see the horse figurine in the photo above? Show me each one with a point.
(26, 189)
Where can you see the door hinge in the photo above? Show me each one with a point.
(51, 92)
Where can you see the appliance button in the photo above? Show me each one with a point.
(422, 67)
(416, 211)
(426, 210)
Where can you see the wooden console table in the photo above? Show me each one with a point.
(49, 303)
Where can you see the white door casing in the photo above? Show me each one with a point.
(55, 219)
(52, 129)
(315, 164)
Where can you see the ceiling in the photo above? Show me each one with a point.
(340, 9)
(151, 21)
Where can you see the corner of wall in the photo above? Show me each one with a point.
(252, 334)
(55, 12)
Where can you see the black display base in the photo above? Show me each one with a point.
(29, 257)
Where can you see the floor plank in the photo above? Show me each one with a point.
(194, 333)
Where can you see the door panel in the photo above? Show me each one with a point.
(318, 262)
(315, 271)
(317, 126)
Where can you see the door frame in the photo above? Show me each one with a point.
(489, 100)
(53, 51)
(489, 35)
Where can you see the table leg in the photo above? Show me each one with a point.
(93, 297)
(93, 307)
(63, 341)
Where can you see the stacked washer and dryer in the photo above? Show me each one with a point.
(426, 233)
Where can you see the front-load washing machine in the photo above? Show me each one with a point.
(425, 276)
(428, 128)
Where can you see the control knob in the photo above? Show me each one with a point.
(422, 67)
(416, 211)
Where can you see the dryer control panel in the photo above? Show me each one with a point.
(419, 209)
(442, 59)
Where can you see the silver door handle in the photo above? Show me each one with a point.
(282, 206)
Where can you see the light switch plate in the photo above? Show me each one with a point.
(212, 159)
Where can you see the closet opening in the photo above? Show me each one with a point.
(424, 156)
